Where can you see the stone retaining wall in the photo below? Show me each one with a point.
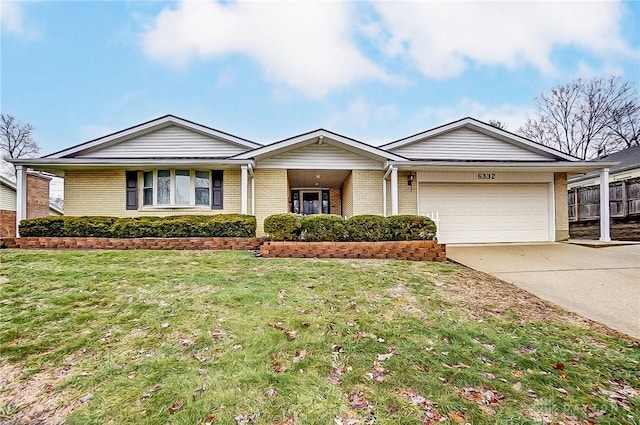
(139, 243)
(398, 250)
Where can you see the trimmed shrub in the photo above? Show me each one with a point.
(361, 228)
(222, 225)
(368, 228)
(98, 227)
(411, 227)
(283, 227)
(52, 226)
(324, 228)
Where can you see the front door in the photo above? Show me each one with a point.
(310, 203)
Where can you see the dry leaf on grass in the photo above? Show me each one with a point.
(176, 406)
(299, 356)
(358, 402)
(378, 373)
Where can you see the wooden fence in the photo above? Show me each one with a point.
(624, 200)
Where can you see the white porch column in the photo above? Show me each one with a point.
(394, 191)
(244, 190)
(21, 196)
(384, 196)
(605, 234)
(253, 194)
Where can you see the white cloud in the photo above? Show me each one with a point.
(11, 17)
(362, 113)
(443, 39)
(304, 45)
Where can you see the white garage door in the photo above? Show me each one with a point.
(498, 212)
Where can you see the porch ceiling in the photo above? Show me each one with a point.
(308, 178)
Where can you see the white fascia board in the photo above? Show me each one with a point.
(6, 182)
(56, 209)
(307, 138)
(125, 162)
(486, 129)
(588, 176)
(558, 166)
(150, 126)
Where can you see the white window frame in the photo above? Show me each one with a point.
(172, 189)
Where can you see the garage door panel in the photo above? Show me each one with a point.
(475, 213)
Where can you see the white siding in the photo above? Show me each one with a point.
(168, 142)
(320, 157)
(466, 144)
(7, 198)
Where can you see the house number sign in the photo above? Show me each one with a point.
(486, 176)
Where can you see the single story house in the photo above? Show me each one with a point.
(623, 193)
(37, 202)
(486, 184)
(627, 168)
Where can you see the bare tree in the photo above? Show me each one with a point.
(625, 125)
(498, 124)
(585, 118)
(16, 139)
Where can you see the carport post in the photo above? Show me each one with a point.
(605, 234)
(21, 196)
(243, 188)
(394, 191)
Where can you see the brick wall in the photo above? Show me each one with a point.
(272, 195)
(37, 204)
(367, 192)
(398, 250)
(139, 243)
(37, 196)
(335, 201)
(103, 192)
(7, 224)
(407, 195)
(562, 206)
(347, 196)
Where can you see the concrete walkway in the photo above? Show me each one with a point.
(602, 284)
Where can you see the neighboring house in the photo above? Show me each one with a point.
(487, 184)
(37, 202)
(627, 168)
(623, 193)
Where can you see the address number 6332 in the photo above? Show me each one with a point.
(486, 176)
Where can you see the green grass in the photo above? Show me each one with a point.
(250, 340)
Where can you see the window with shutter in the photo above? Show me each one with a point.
(216, 190)
(132, 190)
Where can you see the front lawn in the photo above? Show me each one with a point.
(154, 337)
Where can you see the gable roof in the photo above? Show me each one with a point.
(11, 185)
(148, 127)
(486, 129)
(320, 134)
(627, 158)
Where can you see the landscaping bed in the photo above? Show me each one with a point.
(221, 337)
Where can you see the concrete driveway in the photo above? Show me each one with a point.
(602, 284)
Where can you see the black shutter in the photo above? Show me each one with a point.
(132, 190)
(216, 190)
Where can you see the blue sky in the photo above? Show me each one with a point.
(374, 71)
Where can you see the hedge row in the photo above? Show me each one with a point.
(222, 225)
(361, 228)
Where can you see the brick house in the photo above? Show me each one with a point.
(486, 184)
(37, 202)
